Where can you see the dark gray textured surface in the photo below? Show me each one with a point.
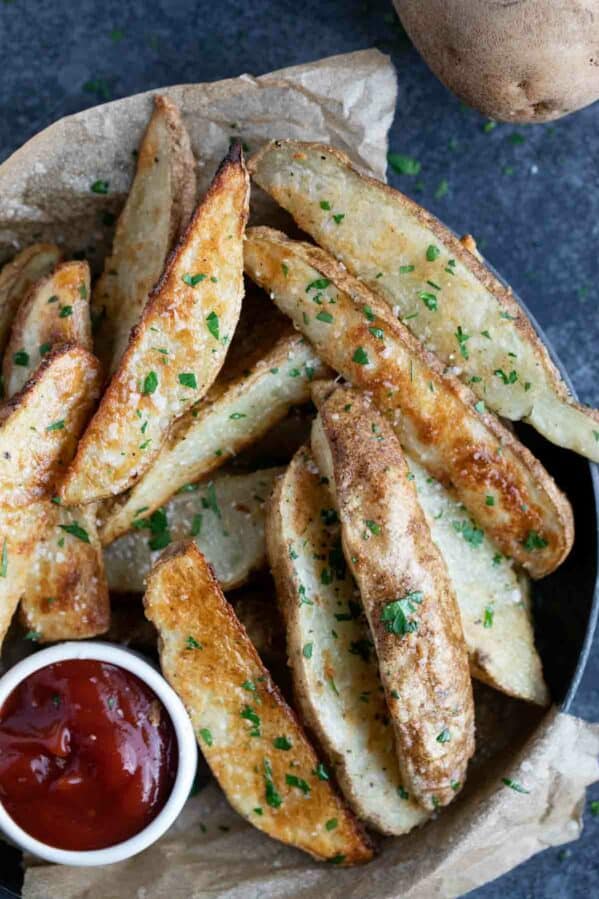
(530, 195)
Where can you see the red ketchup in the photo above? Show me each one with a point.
(88, 755)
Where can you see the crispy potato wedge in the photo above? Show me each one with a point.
(18, 277)
(39, 426)
(406, 592)
(38, 433)
(494, 599)
(439, 287)
(55, 312)
(65, 596)
(225, 516)
(335, 673)
(437, 418)
(157, 210)
(234, 415)
(176, 351)
(250, 737)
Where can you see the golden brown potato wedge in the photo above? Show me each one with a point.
(442, 291)
(493, 597)
(157, 210)
(39, 426)
(65, 596)
(176, 351)
(224, 515)
(437, 418)
(250, 737)
(335, 673)
(55, 312)
(407, 596)
(38, 434)
(235, 414)
(18, 277)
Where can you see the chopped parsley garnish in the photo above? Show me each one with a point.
(372, 526)
(75, 530)
(34, 636)
(282, 743)
(432, 252)
(402, 164)
(488, 619)
(471, 534)
(514, 785)
(442, 189)
(285, 269)
(368, 313)
(235, 416)
(45, 348)
(65, 311)
(307, 650)
(206, 736)
(188, 379)
(405, 269)
(336, 860)
(249, 714)
(324, 204)
(429, 300)
(594, 808)
(150, 383)
(21, 357)
(360, 356)
(192, 643)
(403, 793)
(511, 378)
(324, 317)
(4, 559)
(210, 501)
(249, 685)
(444, 736)
(489, 500)
(462, 339)
(321, 772)
(331, 824)
(53, 299)
(196, 525)
(395, 614)
(99, 187)
(293, 781)
(213, 324)
(338, 217)
(534, 541)
(480, 407)
(193, 280)
(378, 333)
(272, 797)
(318, 284)
(56, 425)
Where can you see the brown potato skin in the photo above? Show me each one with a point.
(516, 62)
(425, 673)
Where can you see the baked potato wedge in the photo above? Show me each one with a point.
(18, 277)
(65, 595)
(438, 419)
(38, 432)
(335, 673)
(55, 311)
(224, 515)
(443, 293)
(407, 596)
(494, 598)
(235, 414)
(157, 210)
(250, 737)
(39, 426)
(176, 351)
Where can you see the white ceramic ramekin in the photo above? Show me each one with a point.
(186, 744)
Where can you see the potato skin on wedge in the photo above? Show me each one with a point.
(55, 312)
(437, 418)
(18, 277)
(176, 351)
(157, 210)
(224, 515)
(250, 737)
(234, 415)
(445, 294)
(40, 425)
(331, 655)
(406, 593)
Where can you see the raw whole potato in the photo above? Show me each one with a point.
(514, 61)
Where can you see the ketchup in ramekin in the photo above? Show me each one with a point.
(88, 755)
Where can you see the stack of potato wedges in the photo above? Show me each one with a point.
(328, 442)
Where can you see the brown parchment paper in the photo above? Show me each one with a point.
(45, 194)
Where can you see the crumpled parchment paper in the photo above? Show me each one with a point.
(45, 194)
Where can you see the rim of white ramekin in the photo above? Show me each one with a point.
(186, 745)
